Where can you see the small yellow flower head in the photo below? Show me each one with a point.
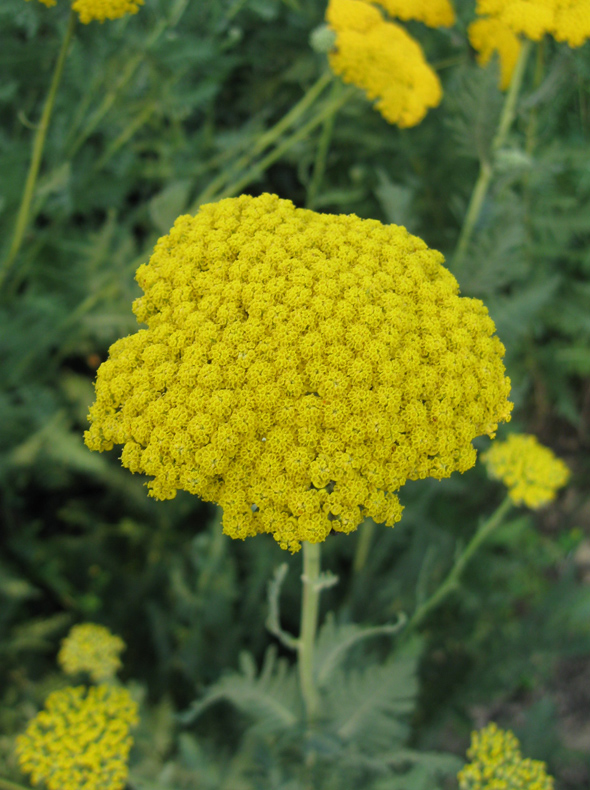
(91, 648)
(434, 13)
(383, 60)
(530, 471)
(89, 10)
(49, 3)
(297, 368)
(80, 741)
(565, 20)
(497, 764)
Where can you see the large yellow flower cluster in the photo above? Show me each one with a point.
(297, 369)
(90, 10)
(497, 764)
(91, 648)
(503, 21)
(530, 471)
(81, 740)
(383, 59)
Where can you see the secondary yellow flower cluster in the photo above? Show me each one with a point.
(91, 648)
(504, 21)
(383, 59)
(90, 10)
(297, 369)
(497, 764)
(530, 471)
(81, 740)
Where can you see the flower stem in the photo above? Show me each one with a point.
(319, 166)
(452, 580)
(309, 622)
(37, 154)
(363, 545)
(486, 169)
(264, 141)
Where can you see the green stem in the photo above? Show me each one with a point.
(486, 170)
(264, 141)
(140, 120)
(309, 623)
(319, 166)
(6, 785)
(452, 580)
(37, 154)
(363, 545)
(260, 167)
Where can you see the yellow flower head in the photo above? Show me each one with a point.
(91, 648)
(434, 13)
(383, 60)
(49, 3)
(80, 741)
(297, 368)
(502, 20)
(89, 10)
(497, 764)
(530, 471)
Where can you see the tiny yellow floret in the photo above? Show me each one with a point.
(434, 13)
(384, 60)
(99, 10)
(497, 764)
(80, 740)
(530, 471)
(297, 368)
(91, 648)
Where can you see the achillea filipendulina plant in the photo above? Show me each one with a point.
(434, 13)
(503, 22)
(383, 59)
(297, 369)
(91, 648)
(530, 471)
(497, 764)
(81, 740)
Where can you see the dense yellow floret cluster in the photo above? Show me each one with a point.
(384, 60)
(297, 369)
(497, 764)
(503, 21)
(90, 10)
(81, 740)
(434, 13)
(91, 648)
(530, 471)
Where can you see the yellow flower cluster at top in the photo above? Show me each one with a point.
(497, 764)
(90, 10)
(91, 648)
(383, 59)
(530, 471)
(297, 368)
(81, 740)
(504, 21)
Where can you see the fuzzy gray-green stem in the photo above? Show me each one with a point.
(309, 623)
(363, 545)
(37, 154)
(485, 174)
(452, 580)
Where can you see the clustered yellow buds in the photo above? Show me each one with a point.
(503, 22)
(297, 369)
(497, 764)
(80, 741)
(91, 648)
(99, 10)
(530, 471)
(383, 59)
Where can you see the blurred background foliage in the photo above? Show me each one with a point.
(153, 108)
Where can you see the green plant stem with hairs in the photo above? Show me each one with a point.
(22, 219)
(453, 578)
(487, 166)
(309, 624)
(363, 545)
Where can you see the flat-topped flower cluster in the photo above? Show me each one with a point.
(297, 369)
(100, 10)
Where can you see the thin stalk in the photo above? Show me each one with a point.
(363, 545)
(486, 169)
(452, 580)
(309, 623)
(140, 120)
(264, 141)
(260, 167)
(37, 153)
(319, 166)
